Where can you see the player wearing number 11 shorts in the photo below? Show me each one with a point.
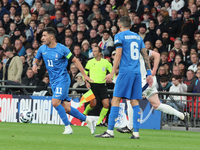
(128, 45)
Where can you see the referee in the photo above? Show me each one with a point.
(97, 69)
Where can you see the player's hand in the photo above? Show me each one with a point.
(88, 85)
(108, 78)
(88, 79)
(150, 80)
(153, 73)
(34, 68)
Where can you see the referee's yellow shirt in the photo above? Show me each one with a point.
(97, 69)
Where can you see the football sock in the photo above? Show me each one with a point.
(102, 115)
(169, 110)
(136, 118)
(75, 113)
(113, 117)
(130, 115)
(87, 109)
(61, 111)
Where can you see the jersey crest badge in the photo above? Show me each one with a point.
(103, 68)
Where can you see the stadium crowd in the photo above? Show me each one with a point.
(169, 27)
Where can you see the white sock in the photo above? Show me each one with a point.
(130, 115)
(169, 110)
(110, 132)
(136, 134)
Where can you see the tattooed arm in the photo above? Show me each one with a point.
(146, 58)
(147, 66)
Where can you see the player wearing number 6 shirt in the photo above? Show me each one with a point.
(128, 45)
(56, 56)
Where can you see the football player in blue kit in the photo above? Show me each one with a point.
(56, 56)
(128, 45)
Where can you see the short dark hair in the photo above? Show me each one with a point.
(100, 50)
(77, 45)
(23, 35)
(125, 21)
(175, 76)
(198, 64)
(187, 10)
(164, 79)
(50, 30)
(35, 13)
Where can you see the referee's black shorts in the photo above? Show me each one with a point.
(100, 91)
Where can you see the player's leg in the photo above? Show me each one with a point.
(136, 95)
(90, 106)
(104, 110)
(77, 114)
(136, 118)
(129, 127)
(61, 111)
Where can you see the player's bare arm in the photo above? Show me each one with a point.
(80, 67)
(35, 63)
(147, 65)
(156, 57)
(118, 56)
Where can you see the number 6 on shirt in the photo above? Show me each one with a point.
(134, 51)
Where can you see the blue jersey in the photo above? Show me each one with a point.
(131, 44)
(56, 61)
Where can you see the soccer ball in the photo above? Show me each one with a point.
(26, 116)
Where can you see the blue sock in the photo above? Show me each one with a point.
(114, 111)
(61, 111)
(136, 118)
(75, 113)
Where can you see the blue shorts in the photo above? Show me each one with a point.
(128, 86)
(60, 90)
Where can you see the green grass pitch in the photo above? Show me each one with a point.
(21, 136)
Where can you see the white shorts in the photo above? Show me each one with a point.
(150, 91)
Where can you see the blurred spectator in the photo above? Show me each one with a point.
(94, 35)
(29, 55)
(190, 80)
(79, 38)
(132, 14)
(165, 14)
(143, 31)
(12, 29)
(177, 4)
(3, 10)
(140, 9)
(122, 11)
(161, 24)
(25, 15)
(20, 49)
(48, 6)
(136, 24)
(94, 24)
(94, 43)
(85, 48)
(73, 72)
(187, 25)
(6, 41)
(31, 80)
(176, 70)
(194, 60)
(30, 32)
(15, 35)
(185, 53)
(154, 12)
(46, 80)
(177, 45)
(173, 24)
(197, 83)
(25, 66)
(181, 100)
(167, 5)
(41, 14)
(94, 9)
(65, 21)
(163, 56)
(101, 28)
(6, 22)
(148, 45)
(2, 35)
(107, 43)
(157, 4)
(38, 33)
(182, 65)
(79, 83)
(160, 47)
(108, 25)
(166, 41)
(146, 20)
(114, 31)
(46, 21)
(107, 10)
(60, 35)
(164, 86)
(69, 43)
(185, 40)
(13, 68)
(58, 18)
(19, 22)
(78, 54)
(177, 60)
(162, 72)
